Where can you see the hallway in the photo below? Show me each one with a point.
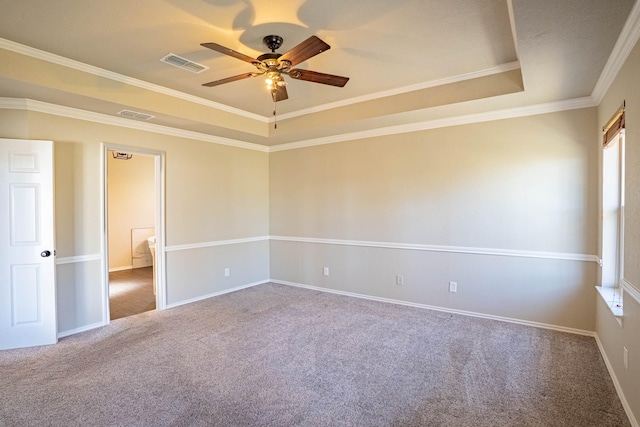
(131, 292)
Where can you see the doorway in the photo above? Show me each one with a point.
(133, 225)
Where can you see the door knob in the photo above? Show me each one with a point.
(45, 254)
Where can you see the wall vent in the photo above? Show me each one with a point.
(135, 115)
(184, 63)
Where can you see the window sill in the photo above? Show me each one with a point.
(613, 298)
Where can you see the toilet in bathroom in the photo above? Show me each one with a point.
(152, 248)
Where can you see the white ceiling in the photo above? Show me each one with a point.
(408, 60)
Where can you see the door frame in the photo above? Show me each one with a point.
(159, 180)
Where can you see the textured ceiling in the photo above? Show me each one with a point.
(407, 60)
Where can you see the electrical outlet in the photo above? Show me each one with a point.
(227, 272)
(399, 280)
(625, 357)
(325, 271)
(453, 286)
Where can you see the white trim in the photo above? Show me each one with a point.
(215, 243)
(78, 258)
(394, 245)
(503, 68)
(631, 289)
(83, 67)
(609, 296)
(160, 222)
(215, 294)
(160, 229)
(75, 113)
(442, 309)
(509, 113)
(123, 268)
(14, 103)
(101, 72)
(616, 383)
(626, 42)
(441, 248)
(80, 329)
(104, 237)
(512, 22)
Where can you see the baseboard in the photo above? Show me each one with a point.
(226, 291)
(616, 383)
(78, 330)
(125, 267)
(442, 309)
(215, 294)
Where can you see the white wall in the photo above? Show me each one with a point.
(131, 204)
(523, 187)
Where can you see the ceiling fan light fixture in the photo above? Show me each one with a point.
(275, 65)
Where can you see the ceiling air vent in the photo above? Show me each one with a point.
(134, 115)
(184, 63)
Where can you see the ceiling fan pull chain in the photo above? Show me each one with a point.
(275, 117)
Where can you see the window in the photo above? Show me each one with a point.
(613, 211)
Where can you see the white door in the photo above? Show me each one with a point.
(27, 266)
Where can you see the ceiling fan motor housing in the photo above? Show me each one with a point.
(269, 58)
(273, 42)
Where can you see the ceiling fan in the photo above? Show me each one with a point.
(274, 65)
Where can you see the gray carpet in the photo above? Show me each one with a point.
(279, 356)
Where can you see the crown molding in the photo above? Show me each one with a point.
(75, 113)
(14, 103)
(509, 113)
(398, 91)
(512, 22)
(86, 68)
(626, 42)
(101, 72)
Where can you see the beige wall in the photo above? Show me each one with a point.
(131, 204)
(526, 184)
(505, 184)
(213, 193)
(14, 122)
(526, 188)
(612, 335)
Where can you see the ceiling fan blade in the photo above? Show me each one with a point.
(230, 52)
(315, 77)
(229, 79)
(279, 94)
(305, 50)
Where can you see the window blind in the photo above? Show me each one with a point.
(613, 127)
